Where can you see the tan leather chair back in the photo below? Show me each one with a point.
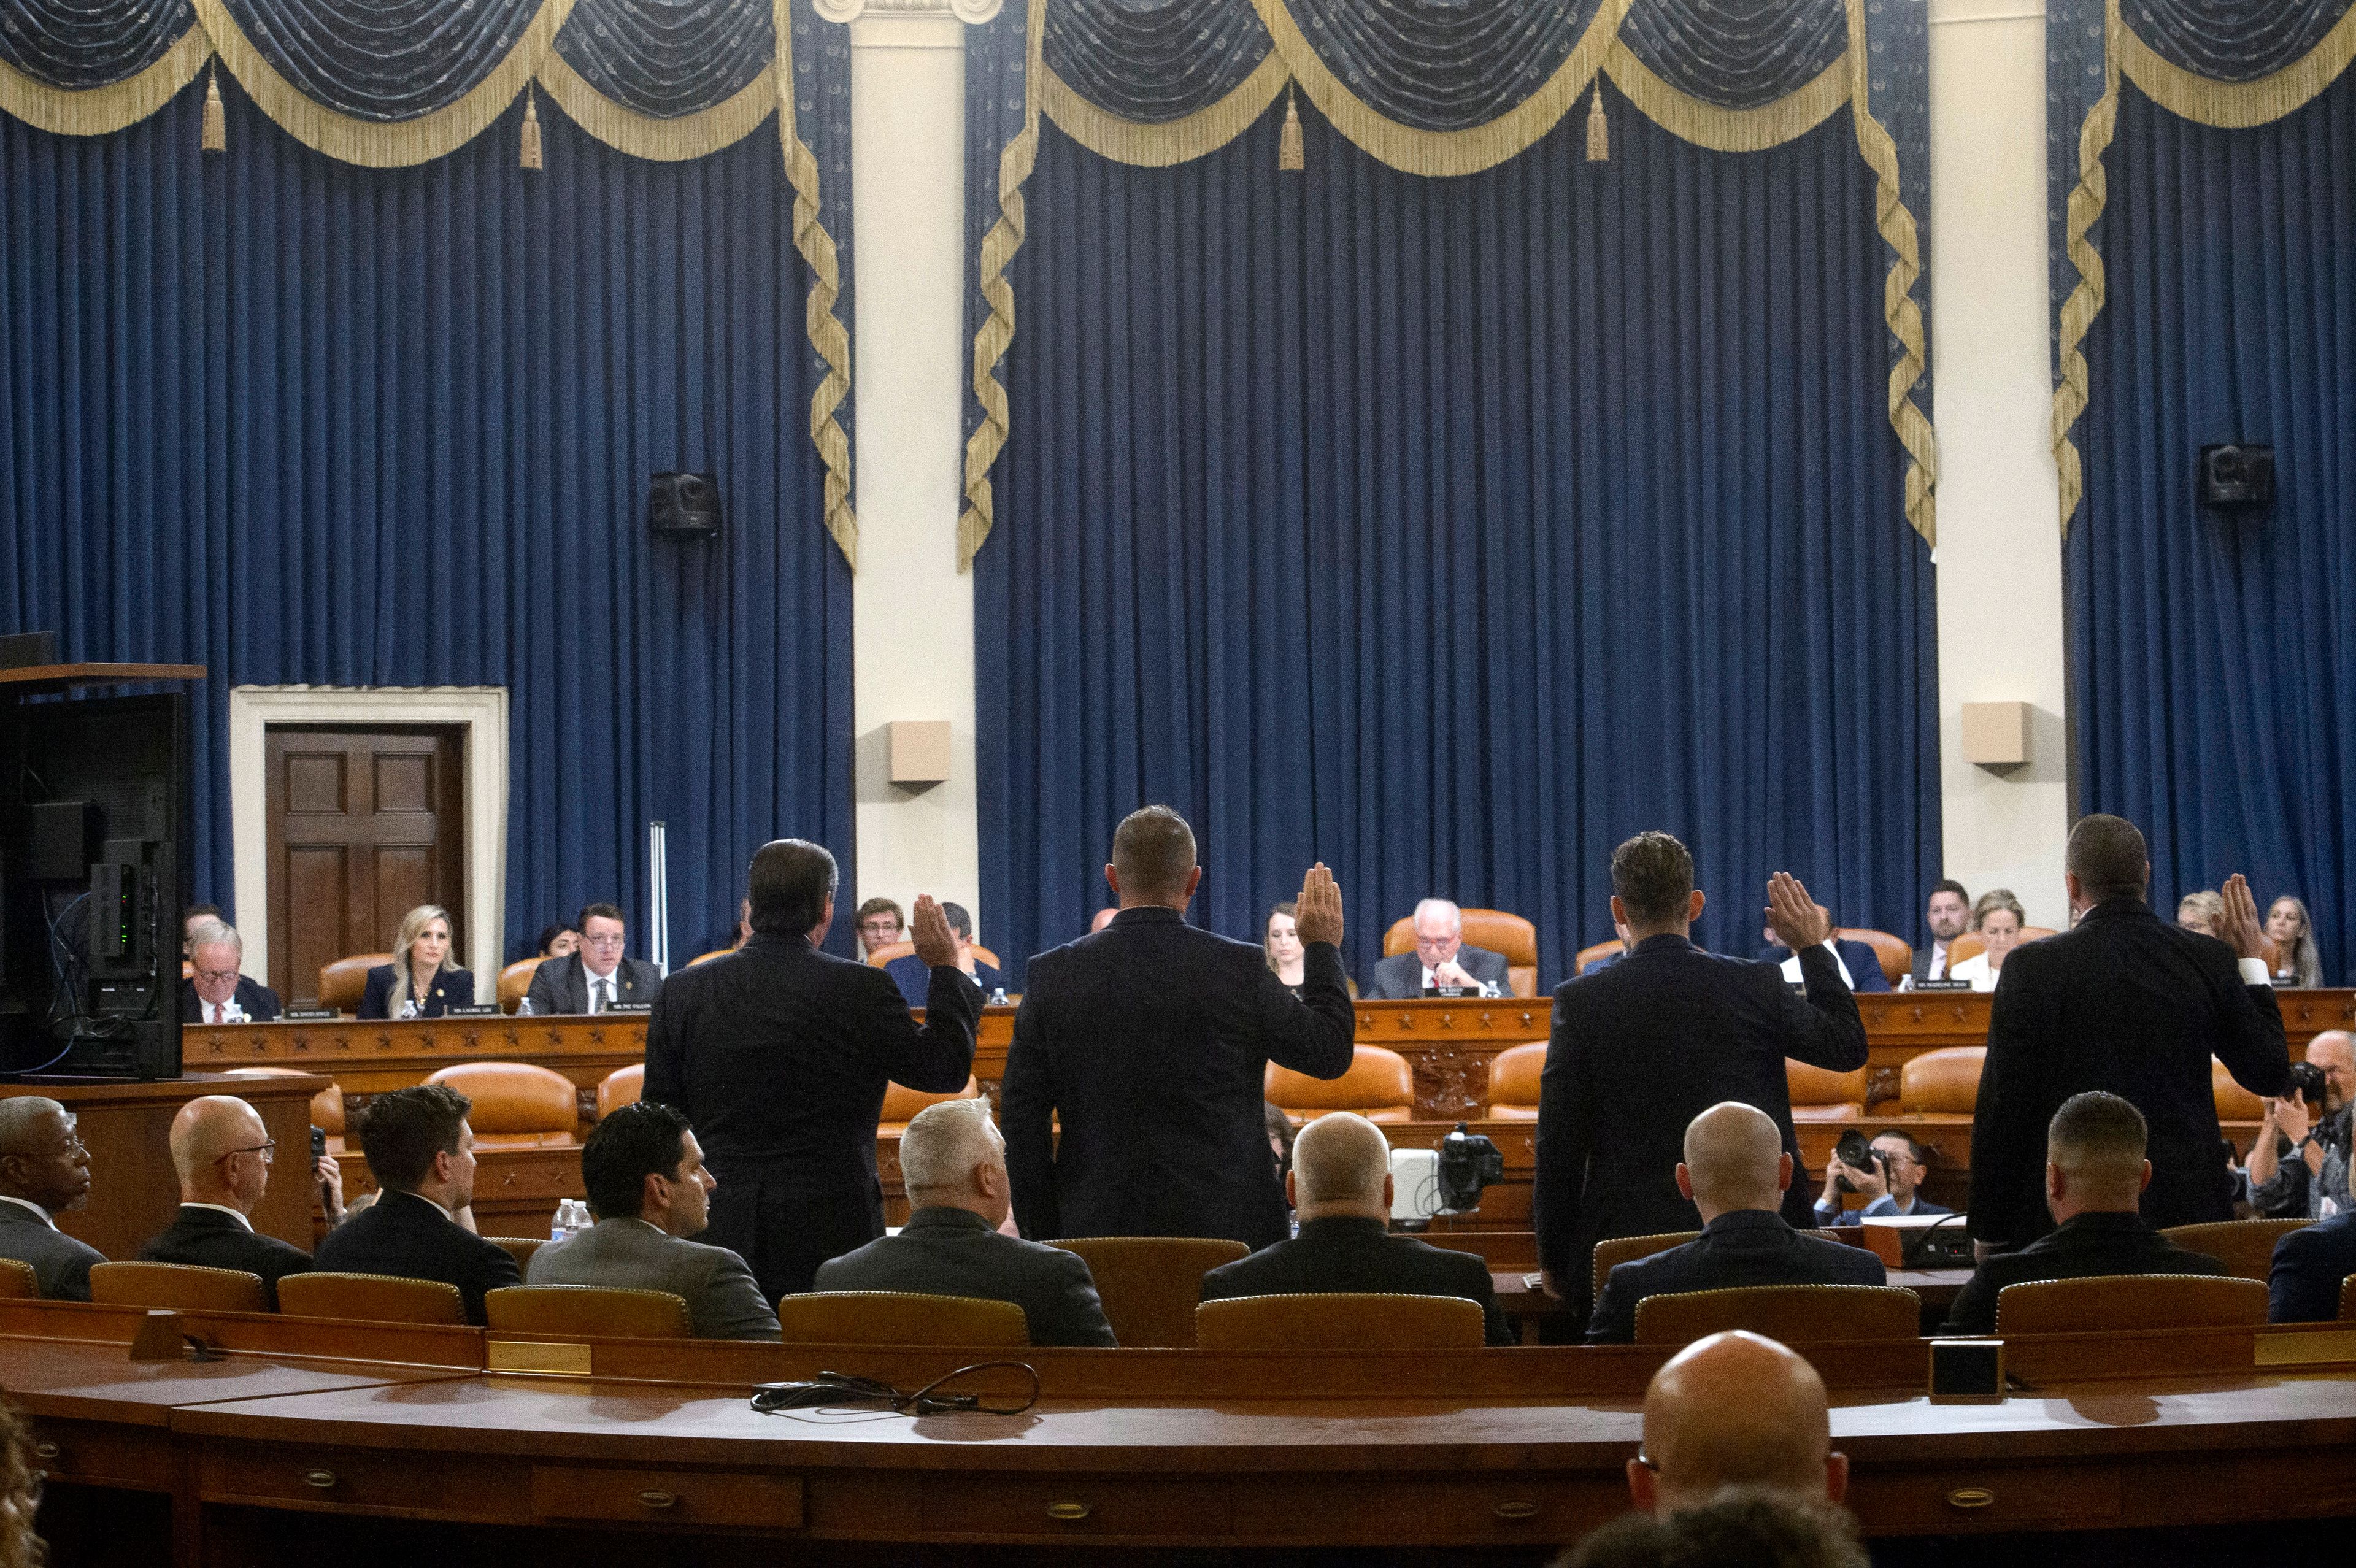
(519, 1248)
(1150, 1284)
(901, 1104)
(1794, 1314)
(2127, 1303)
(17, 1280)
(1610, 1255)
(1493, 929)
(1339, 1322)
(343, 983)
(623, 1086)
(588, 1310)
(2246, 1247)
(327, 1105)
(2348, 1299)
(178, 1286)
(1514, 1076)
(1945, 1081)
(1591, 952)
(371, 1298)
(708, 957)
(1896, 957)
(1819, 1094)
(1380, 1086)
(2234, 1104)
(515, 982)
(900, 1317)
(888, 952)
(515, 1102)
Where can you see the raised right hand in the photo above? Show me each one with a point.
(929, 928)
(1320, 919)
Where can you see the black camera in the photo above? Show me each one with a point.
(319, 1145)
(1857, 1151)
(2306, 1082)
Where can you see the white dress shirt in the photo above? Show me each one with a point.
(222, 1209)
(1792, 966)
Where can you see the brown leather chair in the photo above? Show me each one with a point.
(1593, 950)
(2122, 1303)
(591, 1311)
(1372, 1321)
(1945, 1081)
(327, 1105)
(343, 983)
(17, 1280)
(1611, 1253)
(1896, 957)
(1513, 1082)
(1794, 1313)
(517, 1104)
(2234, 1104)
(623, 1086)
(371, 1298)
(901, 1104)
(891, 950)
(515, 982)
(2348, 1299)
(1150, 1284)
(1820, 1094)
(900, 1317)
(519, 1248)
(2246, 1247)
(1380, 1086)
(178, 1286)
(1493, 929)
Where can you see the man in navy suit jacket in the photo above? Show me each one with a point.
(215, 992)
(1150, 1041)
(1642, 1047)
(1860, 965)
(223, 1155)
(914, 978)
(2310, 1264)
(422, 1153)
(1441, 960)
(1735, 1170)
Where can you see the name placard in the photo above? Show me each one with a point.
(631, 1007)
(1943, 984)
(473, 1010)
(310, 1015)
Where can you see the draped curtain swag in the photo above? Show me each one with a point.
(1442, 88)
(392, 83)
(2230, 64)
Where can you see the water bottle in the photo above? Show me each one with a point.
(998, 997)
(523, 1008)
(556, 1231)
(409, 1008)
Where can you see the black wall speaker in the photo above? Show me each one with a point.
(684, 507)
(2237, 478)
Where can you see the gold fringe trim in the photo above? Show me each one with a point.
(997, 330)
(1468, 152)
(626, 130)
(101, 110)
(1898, 306)
(2087, 200)
(1787, 119)
(827, 333)
(368, 142)
(1173, 142)
(2232, 105)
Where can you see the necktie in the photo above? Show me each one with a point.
(604, 998)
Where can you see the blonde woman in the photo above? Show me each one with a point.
(1998, 919)
(2294, 936)
(419, 983)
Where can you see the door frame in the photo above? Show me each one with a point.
(480, 710)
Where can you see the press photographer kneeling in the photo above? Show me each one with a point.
(1888, 1172)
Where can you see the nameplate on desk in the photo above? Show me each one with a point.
(473, 1010)
(309, 1016)
(522, 1356)
(1452, 991)
(631, 1007)
(1942, 986)
(2324, 1344)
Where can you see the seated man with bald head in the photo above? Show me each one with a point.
(44, 1171)
(1735, 1410)
(224, 1154)
(1340, 1184)
(1734, 1171)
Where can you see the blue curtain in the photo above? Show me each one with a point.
(2210, 657)
(301, 422)
(1451, 530)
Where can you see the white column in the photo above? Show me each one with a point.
(1999, 555)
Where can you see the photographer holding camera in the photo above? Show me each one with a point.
(1888, 1172)
(2298, 1167)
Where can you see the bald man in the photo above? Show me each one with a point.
(1735, 1172)
(44, 1171)
(1735, 1410)
(223, 1155)
(1340, 1184)
(2298, 1165)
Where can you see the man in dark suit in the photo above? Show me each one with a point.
(779, 1056)
(2128, 1004)
(596, 977)
(1859, 964)
(1947, 916)
(223, 1155)
(1735, 1172)
(1340, 1184)
(44, 1171)
(422, 1153)
(1150, 1041)
(215, 992)
(1642, 1047)
(2310, 1264)
(954, 1164)
(2095, 1175)
(914, 979)
(1440, 961)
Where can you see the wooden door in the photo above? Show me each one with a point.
(365, 824)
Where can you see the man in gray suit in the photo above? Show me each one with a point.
(1440, 961)
(44, 1170)
(954, 1164)
(597, 978)
(650, 1191)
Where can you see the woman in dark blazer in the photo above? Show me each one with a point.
(418, 972)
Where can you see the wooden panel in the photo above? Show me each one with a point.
(404, 879)
(309, 1476)
(1533, 1508)
(103, 1453)
(314, 784)
(685, 1498)
(403, 783)
(318, 877)
(1073, 1507)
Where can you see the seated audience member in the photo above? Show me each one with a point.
(1340, 1185)
(2298, 1167)
(1998, 919)
(1861, 966)
(595, 977)
(2094, 1176)
(1441, 960)
(2200, 912)
(1891, 1186)
(2309, 1264)
(954, 1164)
(1735, 1409)
(882, 924)
(1102, 918)
(915, 976)
(223, 1155)
(44, 1171)
(1741, 1526)
(1280, 938)
(1605, 960)
(559, 941)
(649, 1192)
(1735, 1172)
(193, 917)
(421, 1152)
(1280, 1137)
(419, 983)
(1947, 915)
(215, 992)
(2298, 963)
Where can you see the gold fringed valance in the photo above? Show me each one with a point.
(827, 333)
(1152, 146)
(626, 130)
(1898, 306)
(2232, 105)
(101, 110)
(1682, 116)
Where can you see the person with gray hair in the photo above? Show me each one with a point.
(1340, 1184)
(215, 991)
(1440, 961)
(953, 1163)
(44, 1171)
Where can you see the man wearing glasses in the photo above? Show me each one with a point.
(215, 992)
(223, 1155)
(44, 1171)
(597, 979)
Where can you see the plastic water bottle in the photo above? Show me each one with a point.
(998, 997)
(409, 1008)
(556, 1231)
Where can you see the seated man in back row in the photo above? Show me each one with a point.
(596, 977)
(215, 991)
(422, 1153)
(44, 1171)
(1736, 1171)
(224, 1156)
(1440, 961)
(914, 977)
(953, 1162)
(1340, 1184)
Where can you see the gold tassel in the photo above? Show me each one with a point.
(216, 132)
(1289, 158)
(530, 157)
(1599, 133)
